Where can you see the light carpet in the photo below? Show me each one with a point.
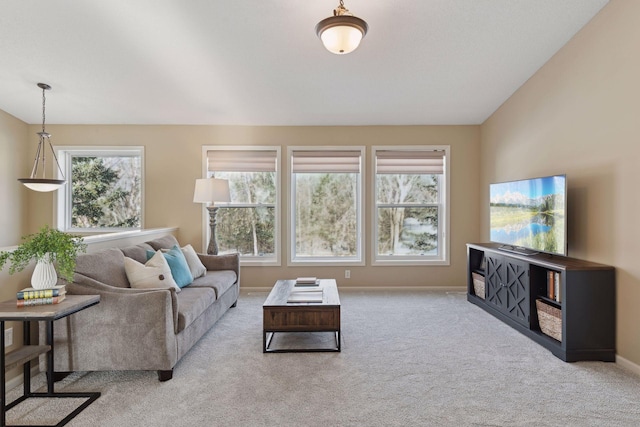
(419, 358)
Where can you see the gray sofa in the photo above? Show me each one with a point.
(140, 329)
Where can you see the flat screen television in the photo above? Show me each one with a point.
(529, 216)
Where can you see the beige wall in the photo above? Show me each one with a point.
(580, 115)
(173, 161)
(14, 164)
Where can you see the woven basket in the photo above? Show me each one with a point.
(550, 319)
(478, 284)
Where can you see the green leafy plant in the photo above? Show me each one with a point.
(61, 248)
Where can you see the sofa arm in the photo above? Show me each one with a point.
(130, 329)
(222, 262)
(83, 285)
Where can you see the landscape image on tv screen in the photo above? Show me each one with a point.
(529, 214)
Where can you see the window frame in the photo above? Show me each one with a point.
(247, 260)
(359, 260)
(63, 209)
(444, 184)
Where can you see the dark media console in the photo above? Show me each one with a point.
(521, 290)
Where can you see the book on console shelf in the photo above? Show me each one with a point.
(307, 281)
(39, 301)
(32, 293)
(305, 296)
(554, 286)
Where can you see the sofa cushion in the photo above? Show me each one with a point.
(137, 252)
(106, 266)
(195, 265)
(154, 274)
(177, 263)
(221, 281)
(192, 302)
(164, 242)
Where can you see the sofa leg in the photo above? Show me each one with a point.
(234, 304)
(165, 375)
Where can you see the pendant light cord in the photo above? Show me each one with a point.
(44, 99)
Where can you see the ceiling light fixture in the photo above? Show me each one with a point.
(342, 32)
(34, 182)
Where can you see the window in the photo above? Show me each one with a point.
(249, 224)
(104, 189)
(326, 205)
(410, 217)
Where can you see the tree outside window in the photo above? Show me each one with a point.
(407, 214)
(326, 205)
(247, 224)
(106, 192)
(326, 215)
(104, 189)
(410, 202)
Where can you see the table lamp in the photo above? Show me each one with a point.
(212, 190)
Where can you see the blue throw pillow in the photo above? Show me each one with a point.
(178, 265)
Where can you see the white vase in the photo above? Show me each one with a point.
(44, 275)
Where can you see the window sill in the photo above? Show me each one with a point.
(410, 262)
(327, 263)
(259, 263)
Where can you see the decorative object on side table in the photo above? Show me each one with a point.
(212, 190)
(46, 246)
(31, 296)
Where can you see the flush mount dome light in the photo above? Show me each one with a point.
(42, 183)
(342, 32)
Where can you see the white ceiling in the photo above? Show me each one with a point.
(259, 62)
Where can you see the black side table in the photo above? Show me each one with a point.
(42, 313)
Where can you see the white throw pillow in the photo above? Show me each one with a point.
(152, 275)
(195, 265)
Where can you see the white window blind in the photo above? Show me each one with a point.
(410, 162)
(325, 161)
(241, 160)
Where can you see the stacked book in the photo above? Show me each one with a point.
(305, 295)
(30, 296)
(307, 281)
(306, 290)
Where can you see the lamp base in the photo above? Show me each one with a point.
(212, 249)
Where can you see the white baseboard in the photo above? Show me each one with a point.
(628, 365)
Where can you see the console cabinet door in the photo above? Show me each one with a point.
(516, 287)
(507, 283)
(495, 292)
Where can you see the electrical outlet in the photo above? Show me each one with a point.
(8, 337)
(347, 274)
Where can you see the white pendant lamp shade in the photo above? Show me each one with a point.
(341, 33)
(42, 185)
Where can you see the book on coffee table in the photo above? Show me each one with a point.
(307, 281)
(305, 296)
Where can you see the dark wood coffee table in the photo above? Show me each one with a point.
(281, 316)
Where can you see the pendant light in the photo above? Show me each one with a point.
(342, 32)
(40, 183)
